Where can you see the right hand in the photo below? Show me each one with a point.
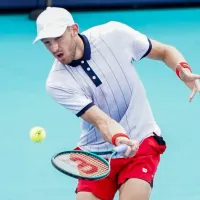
(133, 146)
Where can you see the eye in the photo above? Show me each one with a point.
(46, 42)
(58, 38)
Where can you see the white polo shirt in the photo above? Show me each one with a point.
(106, 77)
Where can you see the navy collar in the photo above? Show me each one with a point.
(86, 54)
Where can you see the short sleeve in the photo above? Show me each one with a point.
(138, 43)
(69, 94)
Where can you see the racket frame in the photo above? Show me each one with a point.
(93, 154)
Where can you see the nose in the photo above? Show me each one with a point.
(54, 47)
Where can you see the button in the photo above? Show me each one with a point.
(82, 61)
(88, 69)
(94, 77)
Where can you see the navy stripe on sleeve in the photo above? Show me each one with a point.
(149, 49)
(85, 109)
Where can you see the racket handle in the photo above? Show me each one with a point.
(121, 148)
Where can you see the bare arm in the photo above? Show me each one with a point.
(107, 126)
(172, 57)
(166, 53)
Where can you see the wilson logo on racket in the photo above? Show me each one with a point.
(84, 166)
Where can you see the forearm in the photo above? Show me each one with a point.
(172, 57)
(107, 126)
(167, 54)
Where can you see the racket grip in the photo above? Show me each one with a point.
(121, 148)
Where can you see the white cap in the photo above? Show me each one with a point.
(52, 23)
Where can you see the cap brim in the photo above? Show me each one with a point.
(50, 33)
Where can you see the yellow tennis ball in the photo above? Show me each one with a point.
(37, 134)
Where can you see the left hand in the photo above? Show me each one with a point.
(191, 80)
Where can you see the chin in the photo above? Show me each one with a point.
(64, 62)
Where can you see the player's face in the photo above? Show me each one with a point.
(63, 47)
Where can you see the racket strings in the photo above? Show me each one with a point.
(85, 165)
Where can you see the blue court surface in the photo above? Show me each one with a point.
(26, 172)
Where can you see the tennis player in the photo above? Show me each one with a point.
(93, 76)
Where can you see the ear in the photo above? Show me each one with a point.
(74, 29)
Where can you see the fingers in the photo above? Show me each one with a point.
(193, 93)
(132, 149)
(191, 80)
(195, 89)
(128, 152)
(197, 84)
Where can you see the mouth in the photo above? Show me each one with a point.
(60, 56)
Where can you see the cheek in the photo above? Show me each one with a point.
(67, 46)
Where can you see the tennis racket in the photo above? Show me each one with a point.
(85, 165)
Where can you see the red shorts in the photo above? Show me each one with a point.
(142, 166)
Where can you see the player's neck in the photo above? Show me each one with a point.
(79, 48)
